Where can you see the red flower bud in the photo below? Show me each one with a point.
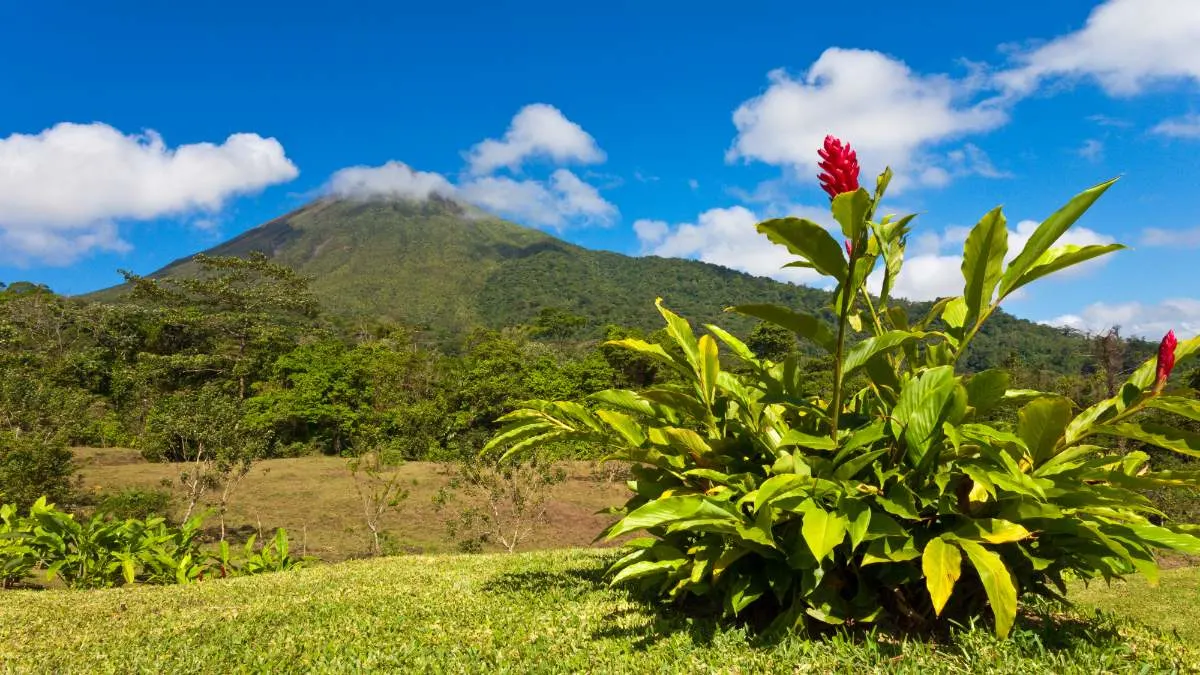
(840, 166)
(849, 248)
(1166, 360)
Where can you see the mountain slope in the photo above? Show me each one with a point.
(446, 268)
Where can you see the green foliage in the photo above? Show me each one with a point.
(893, 497)
(135, 503)
(32, 466)
(103, 552)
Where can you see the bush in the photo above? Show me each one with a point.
(860, 505)
(135, 503)
(31, 466)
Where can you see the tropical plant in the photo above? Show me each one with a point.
(859, 506)
(273, 556)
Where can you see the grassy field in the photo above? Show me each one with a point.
(314, 498)
(535, 612)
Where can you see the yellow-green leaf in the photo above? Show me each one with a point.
(997, 583)
(822, 531)
(983, 262)
(942, 564)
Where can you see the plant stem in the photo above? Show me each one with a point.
(835, 406)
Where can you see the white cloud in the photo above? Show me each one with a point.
(1184, 238)
(1187, 126)
(393, 179)
(1125, 46)
(537, 130)
(727, 236)
(933, 264)
(62, 189)
(1181, 315)
(1092, 150)
(564, 200)
(890, 114)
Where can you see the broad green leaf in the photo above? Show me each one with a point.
(810, 241)
(985, 390)
(1063, 257)
(850, 468)
(804, 325)
(1041, 424)
(680, 331)
(623, 425)
(983, 262)
(942, 565)
(650, 349)
(682, 438)
(739, 348)
(997, 583)
(858, 519)
(1184, 407)
(899, 501)
(794, 437)
(890, 549)
(709, 368)
(822, 531)
(922, 408)
(954, 313)
(1084, 420)
(1047, 233)
(1178, 440)
(1164, 538)
(850, 210)
(777, 486)
(863, 351)
(645, 568)
(668, 509)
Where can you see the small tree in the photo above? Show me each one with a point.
(503, 503)
(375, 470)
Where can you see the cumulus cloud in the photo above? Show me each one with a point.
(726, 236)
(62, 190)
(1187, 126)
(1124, 46)
(1150, 321)
(537, 130)
(564, 199)
(892, 115)
(1183, 238)
(391, 180)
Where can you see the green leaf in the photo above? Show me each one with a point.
(1047, 233)
(850, 468)
(923, 405)
(680, 331)
(645, 568)
(890, 549)
(709, 368)
(803, 325)
(652, 350)
(1041, 424)
(794, 437)
(739, 348)
(1184, 407)
(985, 390)
(822, 531)
(810, 241)
(863, 351)
(668, 509)
(1164, 538)
(1063, 257)
(899, 501)
(954, 313)
(942, 565)
(624, 425)
(850, 210)
(997, 583)
(983, 262)
(858, 519)
(1178, 440)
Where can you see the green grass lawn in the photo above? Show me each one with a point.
(535, 612)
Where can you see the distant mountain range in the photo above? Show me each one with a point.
(445, 267)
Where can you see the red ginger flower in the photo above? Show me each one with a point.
(840, 166)
(1166, 360)
(849, 248)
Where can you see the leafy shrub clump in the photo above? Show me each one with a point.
(892, 502)
(103, 552)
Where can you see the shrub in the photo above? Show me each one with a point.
(893, 502)
(32, 465)
(135, 503)
(502, 504)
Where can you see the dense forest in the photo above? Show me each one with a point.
(239, 363)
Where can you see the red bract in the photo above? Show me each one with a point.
(849, 248)
(1166, 359)
(840, 166)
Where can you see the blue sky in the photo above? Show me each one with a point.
(136, 133)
